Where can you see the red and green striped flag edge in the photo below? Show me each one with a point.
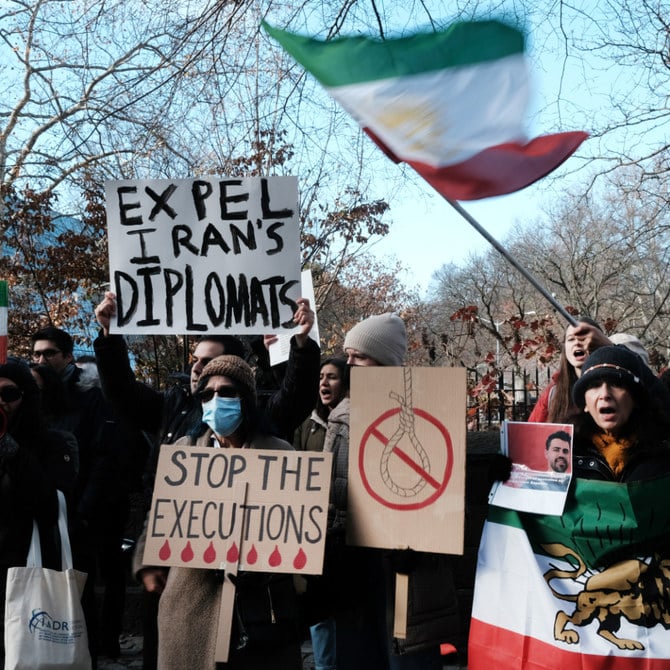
(468, 168)
(354, 60)
(4, 307)
(588, 590)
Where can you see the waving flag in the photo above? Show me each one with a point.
(588, 590)
(450, 104)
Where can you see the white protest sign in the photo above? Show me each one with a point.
(196, 514)
(204, 255)
(407, 458)
(280, 350)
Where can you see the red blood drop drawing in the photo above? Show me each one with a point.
(300, 560)
(165, 551)
(233, 554)
(187, 553)
(252, 556)
(275, 557)
(210, 554)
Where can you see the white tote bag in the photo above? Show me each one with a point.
(44, 620)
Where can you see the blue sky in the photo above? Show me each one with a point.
(570, 93)
(427, 234)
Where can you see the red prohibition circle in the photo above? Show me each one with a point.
(447, 470)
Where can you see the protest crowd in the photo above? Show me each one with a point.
(90, 429)
(342, 507)
(265, 520)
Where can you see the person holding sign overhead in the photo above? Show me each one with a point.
(171, 414)
(265, 631)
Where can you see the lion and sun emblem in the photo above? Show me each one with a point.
(635, 590)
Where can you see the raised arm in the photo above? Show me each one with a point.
(136, 402)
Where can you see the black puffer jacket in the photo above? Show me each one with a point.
(29, 476)
(363, 579)
(174, 413)
(646, 462)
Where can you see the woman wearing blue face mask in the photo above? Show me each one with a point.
(221, 396)
(265, 632)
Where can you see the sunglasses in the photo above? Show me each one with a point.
(223, 392)
(10, 393)
(47, 353)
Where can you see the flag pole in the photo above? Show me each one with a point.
(482, 231)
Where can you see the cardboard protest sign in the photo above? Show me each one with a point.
(407, 458)
(196, 510)
(204, 255)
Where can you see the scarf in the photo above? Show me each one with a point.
(614, 450)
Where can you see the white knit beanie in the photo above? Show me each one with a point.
(633, 343)
(381, 337)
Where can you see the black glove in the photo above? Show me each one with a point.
(500, 468)
(8, 445)
(402, 561)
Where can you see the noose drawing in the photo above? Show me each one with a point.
(405, 428)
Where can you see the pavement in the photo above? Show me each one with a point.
(131, 655)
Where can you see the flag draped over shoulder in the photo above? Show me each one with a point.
(589, 590)
(450, 104)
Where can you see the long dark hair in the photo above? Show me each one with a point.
(560, 402)
(339, 362)
(27, 424)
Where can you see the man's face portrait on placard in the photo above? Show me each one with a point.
(558, 452)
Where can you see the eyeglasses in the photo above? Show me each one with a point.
(10, 393)
(47, 353)
(223, 392)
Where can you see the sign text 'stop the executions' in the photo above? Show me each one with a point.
(275, 501)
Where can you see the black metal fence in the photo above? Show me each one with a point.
(513, 398)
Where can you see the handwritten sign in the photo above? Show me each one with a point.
(198, 509)
(204, 255)
(407, 458)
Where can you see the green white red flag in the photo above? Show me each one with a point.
(589, 590)
(450, 104)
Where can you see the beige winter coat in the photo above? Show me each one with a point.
(189, 606)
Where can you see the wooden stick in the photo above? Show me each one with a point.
(228, 589)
